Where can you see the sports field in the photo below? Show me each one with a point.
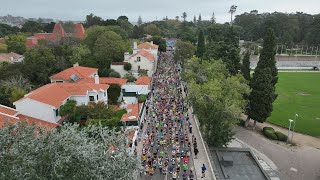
(298, 92)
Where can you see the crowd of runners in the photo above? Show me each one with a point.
(166, 152)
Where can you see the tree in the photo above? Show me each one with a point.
(184, 16)
(313, 36)
(142, 98)
(140, 21)
(199, 19)
(194, 20)
(137, 32)
(92, 20)
(201, 48)
(245, 68)
(71, 152)
(114, 74)
(184, 51)
(81, 54)
(232, 10)
(69, 110)
(130, 77)
(263, 82)
(6, 30)
(158, 40)
(16, 44)
(39, 64)
(48, 28)
(143, 72)
(127, 66)
(213, 18)
(106, 47)
(32, 27)
(114, 93)
(17, 81)
(152, 29)
(216, 97)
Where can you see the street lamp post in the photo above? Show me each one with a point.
(290, 121)
(294, 125)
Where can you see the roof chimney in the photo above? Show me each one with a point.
(126, 56)
(135, 45)
(151, 42)
(76, 64)
(96, 79)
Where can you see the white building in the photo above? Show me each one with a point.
(44, 103)
(131, 90)
(11, 57)
(148, 46)
(142, 60)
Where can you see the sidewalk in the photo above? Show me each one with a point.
(203, 156)
(298, 138)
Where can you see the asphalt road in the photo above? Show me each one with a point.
(305, 160)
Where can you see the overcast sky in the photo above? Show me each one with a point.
(148, 9)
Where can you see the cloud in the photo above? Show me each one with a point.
(149, 10)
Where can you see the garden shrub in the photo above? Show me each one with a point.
(241, 122)
(281, 136)
(270, 134)
(268, 128)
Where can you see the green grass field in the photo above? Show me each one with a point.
(298, 93)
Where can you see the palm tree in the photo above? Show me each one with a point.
(232, 10)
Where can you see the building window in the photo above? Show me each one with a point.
(105, 94)
(91, 98)
(138, 59)
(97, 97)
(138, 68)
(59, 81)
(57, 112)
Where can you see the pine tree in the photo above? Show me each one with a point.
(184, 16)
(199, 19)
(245, 68)
(263, 82)
(213, 18)
(194, 20)
(201, 48)
(140, 21)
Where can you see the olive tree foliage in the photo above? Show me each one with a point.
(216, 97)
(92, 152)
(183, 51)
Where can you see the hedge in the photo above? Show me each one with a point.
(281, 136)
(268, 128)
(270, 134)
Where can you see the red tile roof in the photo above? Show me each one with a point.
(143, 80)
(134, 112)
(147, 45)
(8, 110)
(55, 93)
(6, 57)
(56, 35)
(145, 54)
(80, 71)
(105, 80)
(9, 115)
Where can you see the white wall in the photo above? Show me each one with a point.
(119, 69)
(141, 89)
(81, 100)
(144, 64)
(37, 110)
(130, 100)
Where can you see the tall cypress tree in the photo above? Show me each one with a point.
(245, 68)
(263, 82)
(201, 48)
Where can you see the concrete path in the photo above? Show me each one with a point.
(294, 163)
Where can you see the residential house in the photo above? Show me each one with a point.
(44, 103)
(11, 57)
(58, 33)
(148, 46)
(141, 60)
(12, 116)
(131, 118)
(74, 74)
(132, 90)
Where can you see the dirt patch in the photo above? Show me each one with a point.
(303, 94)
